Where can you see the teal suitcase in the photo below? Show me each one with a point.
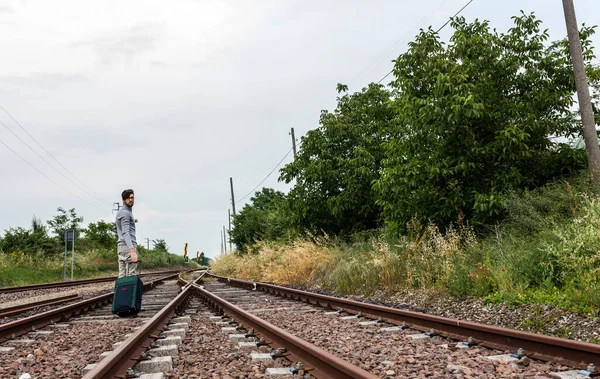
(127, 298)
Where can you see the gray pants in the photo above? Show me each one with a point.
(126, 267)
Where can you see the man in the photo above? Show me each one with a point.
(126, 245)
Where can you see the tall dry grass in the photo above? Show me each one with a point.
(300, 263)
(422, 261)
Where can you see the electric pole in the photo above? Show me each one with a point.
(583, 95)
(221, 238)
(117, 205)
(223, 242)
(229, 218)
(293, 143)
(225, 238)
(232, 196)
(148, 243)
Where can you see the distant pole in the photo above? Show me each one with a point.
(72, 257)
(148, 243)
(221, 238)
(294, 143)
(65, 265)
(583, 95)
(229, 218)
(225, 238)
(117, 205)
(232, 196)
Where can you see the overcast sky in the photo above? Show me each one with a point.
(173, 98)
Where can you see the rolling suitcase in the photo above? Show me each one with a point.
(127, 298)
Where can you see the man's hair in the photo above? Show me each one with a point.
(125, 194)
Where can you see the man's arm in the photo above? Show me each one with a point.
(125, 222)
(125, 230)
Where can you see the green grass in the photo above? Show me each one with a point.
(20, 269)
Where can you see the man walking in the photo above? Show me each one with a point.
(126, 245)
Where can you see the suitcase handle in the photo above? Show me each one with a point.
(139, 262)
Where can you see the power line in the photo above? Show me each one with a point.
(48, 163)
(49, 178)
(398, 41)
(52, 156)
(273, 170)
(437, 31)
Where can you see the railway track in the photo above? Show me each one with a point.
(537, 346)
(55, 339)
(18, 305)
(199, 327)
(522, 346)
(73, 283)
(17, 309)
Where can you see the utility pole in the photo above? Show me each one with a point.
(583, 95)
(293, 143)
(117, 205)
(148, 243)
(232, 196)
(221, 238)
(225, 238)
(229, 218)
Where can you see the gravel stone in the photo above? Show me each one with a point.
(391, 354)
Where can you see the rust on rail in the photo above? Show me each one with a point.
(325, 364)
(116, 364)
(27, 324)
(11, 311)
(72, 283)
(574, 353)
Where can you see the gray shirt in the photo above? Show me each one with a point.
(126, 227)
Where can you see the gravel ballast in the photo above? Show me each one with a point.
(385, 353)
(65, 353)
(207, 352)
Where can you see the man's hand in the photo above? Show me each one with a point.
(134, 257)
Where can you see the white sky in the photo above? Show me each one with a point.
(173, 98)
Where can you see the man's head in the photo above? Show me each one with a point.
(128, 198)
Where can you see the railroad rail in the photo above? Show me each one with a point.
(72, 283)
(22, 326)
(11, 311)
(537, 346)
(319, 362)
(116, 364)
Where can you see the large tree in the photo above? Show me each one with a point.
(338, 162)
(475, 119)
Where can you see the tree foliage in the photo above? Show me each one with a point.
(64, 220)
(29, 241)
(474, 120)
(338, 162)
(262, 219)
(102, 234)
(160, 245)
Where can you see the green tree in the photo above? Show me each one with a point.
(102, 234)
(475, 118)
(64, 220)
(29, 241)
(262, 219)
(160, 245)
(593, 73)
(338, 162)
